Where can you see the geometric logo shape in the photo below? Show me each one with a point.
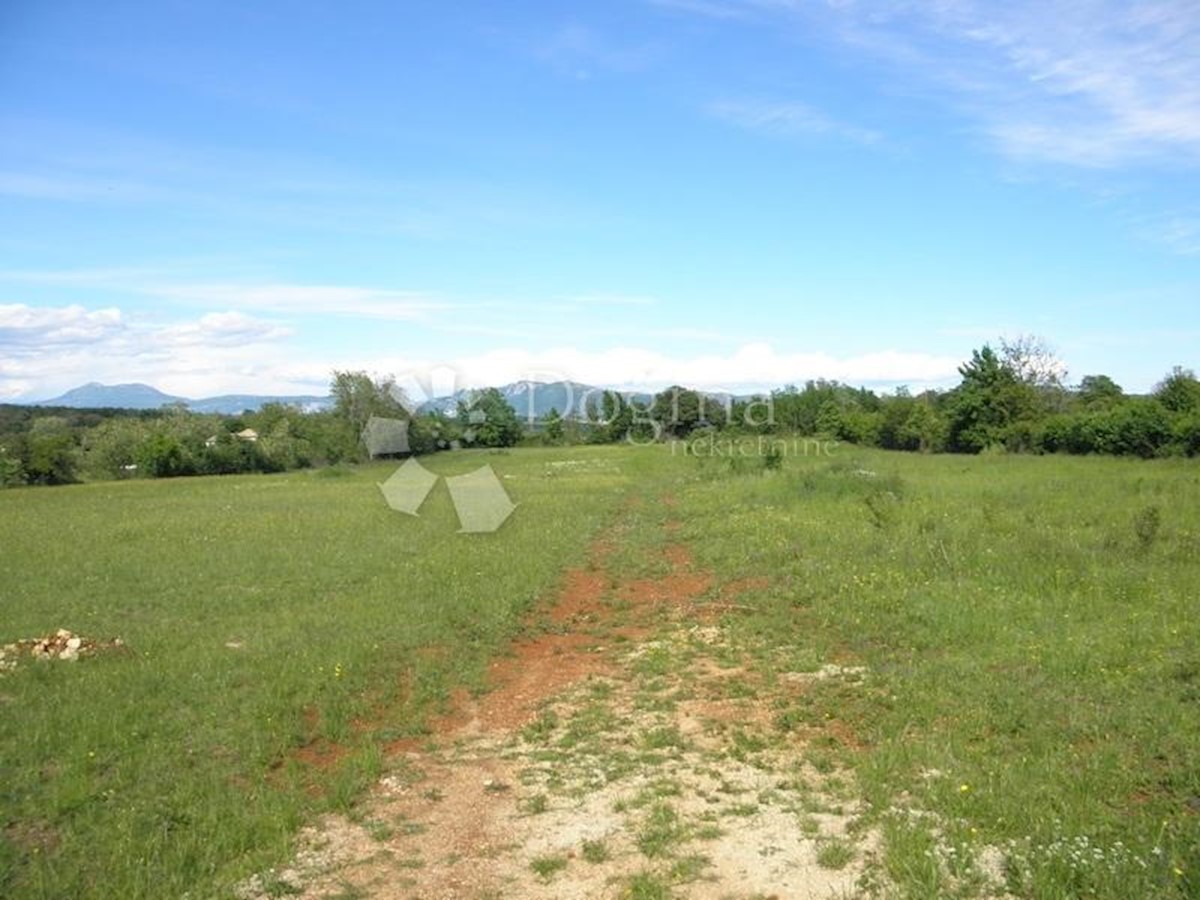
(385, 436)
(408, 487)
(480, 500)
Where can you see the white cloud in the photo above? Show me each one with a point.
(45, 350)
(1093, 83)
(747, 368)
(23, 327)
(303, 299)
(223, 329)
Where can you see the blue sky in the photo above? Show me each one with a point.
(227, 196)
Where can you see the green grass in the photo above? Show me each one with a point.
(1027, 627)
(546, 867)
(595, 852)
(171, 767)
(1033, 654)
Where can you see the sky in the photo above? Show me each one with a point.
(219, 196)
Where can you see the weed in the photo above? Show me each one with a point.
(536, 805)
(540, 729)
(546, 867)
(660, 831)
(662, 738)
(835, 854)
(647, 886)
(689, 868)
(595, 852)
(1146, 525)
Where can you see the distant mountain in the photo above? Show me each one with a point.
(143, 396)
(531, 399)
(535, 399)
(232, 404)
(113, 396)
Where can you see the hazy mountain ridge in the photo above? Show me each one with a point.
(530, 399)
(535, 399)
(94, 395)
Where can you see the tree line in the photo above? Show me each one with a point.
(1012, 398)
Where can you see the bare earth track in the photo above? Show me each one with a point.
(624, 751)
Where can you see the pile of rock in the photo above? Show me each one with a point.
(62, 644)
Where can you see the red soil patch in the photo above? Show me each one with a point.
(845, 735)
(678, 588)
(678, 555)
(321, 755)
(734, 589)
(581, 596)
(538, 669)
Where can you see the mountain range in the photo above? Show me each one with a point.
(142, 396)
(530, 399)
(535, 399)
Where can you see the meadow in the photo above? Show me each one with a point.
(1026, 623)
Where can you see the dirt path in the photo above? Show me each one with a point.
(626, 751)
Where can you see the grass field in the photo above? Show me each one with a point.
(1034, 664)
(261, 615)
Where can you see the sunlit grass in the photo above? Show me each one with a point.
(261, 614)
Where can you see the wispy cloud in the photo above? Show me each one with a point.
(713, 9)
(71, 188)
(304, 299)
(1098, 83)
(1094, 83)
(1179, 233)
(787, 119)
(750, 367)
(579, 51)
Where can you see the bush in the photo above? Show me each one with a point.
(12, 473)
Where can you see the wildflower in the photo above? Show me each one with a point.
(963, 788)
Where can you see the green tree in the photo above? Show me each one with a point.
(487, 420)
(1179, 391)
(830, 420)
(356, 397)
(988, 404)
(677, 411)
(12, 472)
(1098, 392)
(553, 427)
(111, 447)
(51, 452)
(163, 455)
(924, 429)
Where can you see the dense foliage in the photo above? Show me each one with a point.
(1008, 400)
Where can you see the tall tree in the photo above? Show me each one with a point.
(1098, 392)
(487, 420)
(1179, 391)
(991, 399)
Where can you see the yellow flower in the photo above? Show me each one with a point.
(963, 788)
